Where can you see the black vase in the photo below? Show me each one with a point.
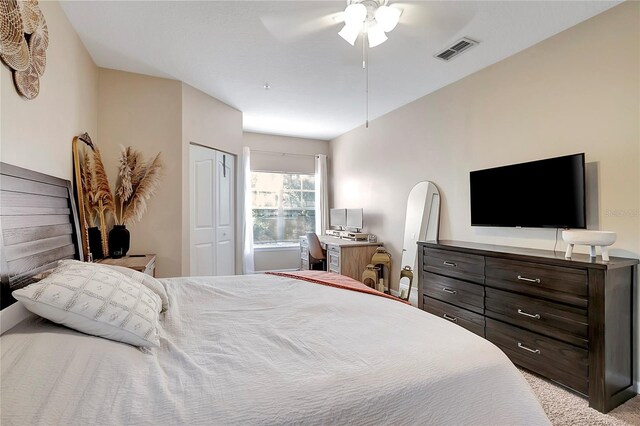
(95, 242)
(119, 239)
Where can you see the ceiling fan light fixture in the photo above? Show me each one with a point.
(355, 14)
(376, 35)
(388, 17)
(350, 33)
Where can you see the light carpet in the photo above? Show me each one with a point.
(563, 407)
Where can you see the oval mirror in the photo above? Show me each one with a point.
(421, 224)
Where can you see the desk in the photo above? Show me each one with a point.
(345, 257)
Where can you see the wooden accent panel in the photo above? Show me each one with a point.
(551, 358)
(21, 235)
(460, 293)
(38, 226)
(10, 222)
(22, 211)
(24, 264)
(18, 251)
(9, 199)
(459, 265)
(469, 320)
(567, 323)
(29, 186)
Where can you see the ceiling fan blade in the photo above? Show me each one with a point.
(433, 18)
(294, 23)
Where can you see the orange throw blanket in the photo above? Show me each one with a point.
(334, 280)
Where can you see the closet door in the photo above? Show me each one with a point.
(224, 220)
(212, 194)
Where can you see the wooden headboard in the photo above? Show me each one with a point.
(38, 226)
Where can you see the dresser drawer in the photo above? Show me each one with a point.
(451, 264)
(333, 259)
(567, 323)
(451, 290)
(467, 319)
(551, 358)
(566, 285)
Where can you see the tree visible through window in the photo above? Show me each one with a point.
(283, 206)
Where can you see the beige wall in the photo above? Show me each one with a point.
(145, 113)
(209, 122)
(37, 134)
(578, 91)
(282, 154)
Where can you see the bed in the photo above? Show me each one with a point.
(263, 349)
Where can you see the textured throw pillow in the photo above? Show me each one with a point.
(96, 300)
(146, 280)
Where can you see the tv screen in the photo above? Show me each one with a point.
(539, 194)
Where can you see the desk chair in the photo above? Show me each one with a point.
(317, 256)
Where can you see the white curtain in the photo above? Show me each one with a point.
(248, 266)
(322, 195)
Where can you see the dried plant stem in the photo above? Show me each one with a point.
(103, 228)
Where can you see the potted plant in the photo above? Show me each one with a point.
(137, 182)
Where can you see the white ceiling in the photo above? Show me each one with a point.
(230, 49)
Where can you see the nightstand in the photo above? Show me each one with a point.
(144, 263)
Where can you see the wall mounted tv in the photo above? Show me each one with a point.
(539, 194)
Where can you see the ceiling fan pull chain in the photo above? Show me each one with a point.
(365, 66)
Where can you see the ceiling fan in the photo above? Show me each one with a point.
(372, 18)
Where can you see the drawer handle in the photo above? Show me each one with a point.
(521, 312)
(530, 280)
(450, 318)
(449, 263)
(446, 290)
(534, 351)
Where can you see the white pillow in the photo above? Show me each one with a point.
(146, 280)
(96, 300)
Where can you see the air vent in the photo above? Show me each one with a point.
(458, 47)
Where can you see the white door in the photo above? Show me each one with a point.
(212, 249)
(224, 220)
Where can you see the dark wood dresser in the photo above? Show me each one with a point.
(570, 320)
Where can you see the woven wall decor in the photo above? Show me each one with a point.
(24, 38)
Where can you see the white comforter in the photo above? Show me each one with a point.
(266, 350)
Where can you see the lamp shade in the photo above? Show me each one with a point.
(376, 35)
(350, 33)
(355, 14)
(387, 17)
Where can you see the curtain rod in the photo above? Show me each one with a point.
(282, 153)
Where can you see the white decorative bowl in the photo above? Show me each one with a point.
(589, 238)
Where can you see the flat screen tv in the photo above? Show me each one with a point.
(539, 194)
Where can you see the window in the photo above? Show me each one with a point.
(283, 207)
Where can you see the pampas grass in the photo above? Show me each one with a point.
(103, 196)
(97, 196)
(138, 182)
(88, 190)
